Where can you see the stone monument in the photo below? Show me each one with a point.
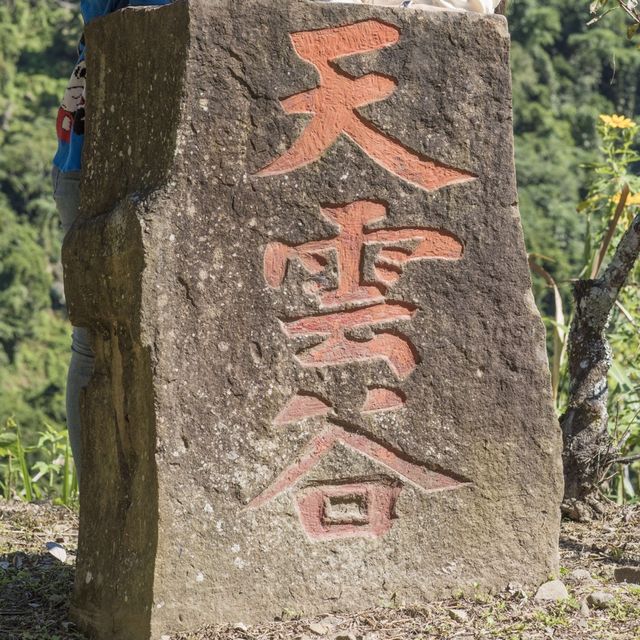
(321, 380)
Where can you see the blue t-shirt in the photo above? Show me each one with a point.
(70, 121)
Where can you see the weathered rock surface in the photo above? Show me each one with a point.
(627, 574)
(580, 576)
(459, 615)
(552, 590)
(585, 612)
(321, 380)
(601, 600)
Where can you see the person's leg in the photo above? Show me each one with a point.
(66, 193)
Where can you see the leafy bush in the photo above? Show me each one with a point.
(565, 74)
(51, 476)
(612, 201)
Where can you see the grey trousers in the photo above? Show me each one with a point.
(66, 193)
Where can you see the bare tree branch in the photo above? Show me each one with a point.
(625, 257)
(631, 12)
(604, 246)
(501, 9)
(626, 460)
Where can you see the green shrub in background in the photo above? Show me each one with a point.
(34, 338)
(37, 44)
(52, 476)
(564, 75)
(612, 201)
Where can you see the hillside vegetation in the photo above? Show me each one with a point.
(565, 74)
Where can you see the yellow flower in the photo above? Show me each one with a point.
(617, 122)
(632, 199)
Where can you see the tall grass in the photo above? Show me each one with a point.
(43, 470)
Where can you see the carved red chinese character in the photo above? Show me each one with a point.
(394, 249)
(352, 507)
(354, 303)
(307, 405)
(338, 347)
(334, 104)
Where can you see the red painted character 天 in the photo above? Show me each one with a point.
(334, 104)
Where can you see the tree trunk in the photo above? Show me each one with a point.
(587, 452)
(585, 423)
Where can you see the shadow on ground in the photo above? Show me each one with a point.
(34, 597)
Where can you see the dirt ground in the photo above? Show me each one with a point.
(35, 586)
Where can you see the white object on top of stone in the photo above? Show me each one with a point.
(476, 6)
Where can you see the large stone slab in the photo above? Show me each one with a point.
(321, 380)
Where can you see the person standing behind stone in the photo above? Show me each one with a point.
(66, 172)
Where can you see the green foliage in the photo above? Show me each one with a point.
(601, 8)
(37, 42)
(36, 51)
(24, 281)
(608, 218)
(610, 205)
(565, 73)
(32, 384)
(51, 476)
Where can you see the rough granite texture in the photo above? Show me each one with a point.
(166, 266)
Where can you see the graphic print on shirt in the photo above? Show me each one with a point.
(71, 112)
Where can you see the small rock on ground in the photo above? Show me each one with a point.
(627, 574)
(600, 600)
(579, 576)
(552, 590)
(459, 615)
(57, 551)
(319, 628)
